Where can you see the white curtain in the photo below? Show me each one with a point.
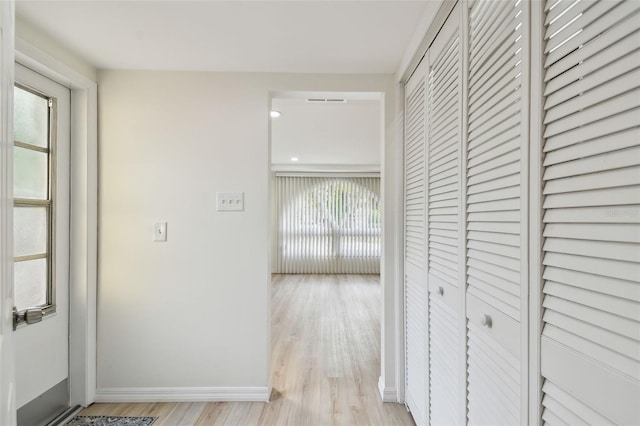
(328, 225)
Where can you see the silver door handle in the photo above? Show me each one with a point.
(29, 316)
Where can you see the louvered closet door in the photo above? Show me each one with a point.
(444, 142)
(416, 316)
(495, 217)
(590, 348)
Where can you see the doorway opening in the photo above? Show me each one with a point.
(326, 152)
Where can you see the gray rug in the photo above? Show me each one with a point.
(110, 421)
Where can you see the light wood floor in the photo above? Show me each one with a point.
(325, 359)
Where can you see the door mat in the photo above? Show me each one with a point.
(110, 421)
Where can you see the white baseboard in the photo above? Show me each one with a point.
(200, 394)
(388, 394)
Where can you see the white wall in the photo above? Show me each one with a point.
(34, 36)
(326, 133)
(193, 312)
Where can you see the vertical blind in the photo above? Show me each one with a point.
(328, 225)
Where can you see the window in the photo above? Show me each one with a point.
(328, 225)
(34, 196)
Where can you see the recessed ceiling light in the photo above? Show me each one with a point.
(294, 158)
(275, 114)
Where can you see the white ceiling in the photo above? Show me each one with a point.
(326, 134)
(322, 36)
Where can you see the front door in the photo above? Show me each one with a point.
(41, 246)
(7, 346)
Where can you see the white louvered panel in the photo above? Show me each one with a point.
(495, 143)
(415, 178)
(416, 292)
(587, 21)
(494, 381)
(607, 392)
(494, 155)
(444, 202)
(592, 214)
(416, 347)
(588, 45)
(444, 157)
(562, 408)
(443, 359)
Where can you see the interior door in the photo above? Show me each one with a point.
(416, 292)
(7, 349)
(497, 213)
(41, 246)
(590, 343)
(444, 142)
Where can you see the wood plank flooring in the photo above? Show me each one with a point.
(325, 361)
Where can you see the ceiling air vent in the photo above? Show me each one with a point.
(327, 101)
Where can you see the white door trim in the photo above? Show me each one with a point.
(7, 345)
(399, 247)
(84, 227)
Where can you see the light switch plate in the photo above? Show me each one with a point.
(230, 201)
(160, 231)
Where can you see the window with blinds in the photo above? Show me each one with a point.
(590, 348)
(328, 225)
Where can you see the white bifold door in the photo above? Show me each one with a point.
(590, 348)
(522, 260)
(433, 164)
(444, 166)
(496, 206)
(476, 143)
(416, 302)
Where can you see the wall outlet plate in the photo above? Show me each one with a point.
(230, 201)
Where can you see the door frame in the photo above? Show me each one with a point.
(391, 308)
(84, 217)
(7, 345)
